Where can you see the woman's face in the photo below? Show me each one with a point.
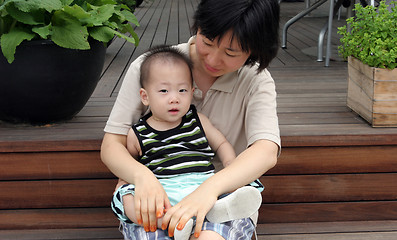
(218, 57)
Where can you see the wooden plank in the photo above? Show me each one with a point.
(385, 74)
(50, 234)
(40, 145)
(279, 189)
(386, 89)
(185, 20)
(336, 236)
(359, 101)
(318, 160)
(329, 188)
(56, 193)
(326, 134)
(317, 118)
(57, 218)
(161, 29)
(173, 24)
(328, 212)
(384, 120)
(52, 165)
(326, 227)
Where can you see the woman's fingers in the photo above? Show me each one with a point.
(144, 211)
(152, 214)
(199, 225)
(173, 223)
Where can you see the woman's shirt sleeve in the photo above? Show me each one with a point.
(128, 107)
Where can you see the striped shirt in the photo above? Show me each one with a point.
(183, 149)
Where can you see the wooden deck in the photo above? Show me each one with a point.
(335, 178)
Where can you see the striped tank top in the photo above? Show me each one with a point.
(183, 149)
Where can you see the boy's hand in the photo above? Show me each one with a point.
(151, 201)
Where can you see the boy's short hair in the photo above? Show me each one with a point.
(165, 53)
(254, 23)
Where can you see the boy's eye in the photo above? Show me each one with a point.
(163, 91)
(183, 90)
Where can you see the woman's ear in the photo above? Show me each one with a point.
(144, 97)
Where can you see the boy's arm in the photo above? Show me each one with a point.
(133, 146)
(217, 141)
(134, 149)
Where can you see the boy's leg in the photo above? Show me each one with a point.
(124, 207)
(242, 203)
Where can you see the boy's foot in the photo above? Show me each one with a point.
(241, 203)
(185, 233)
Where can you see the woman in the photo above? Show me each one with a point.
(235, 41)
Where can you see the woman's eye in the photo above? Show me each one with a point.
(208, 43)
(230, 55)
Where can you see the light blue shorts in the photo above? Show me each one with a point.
(176, 188)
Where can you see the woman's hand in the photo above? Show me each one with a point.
(150, 197)
(151, 201)
(197, 204)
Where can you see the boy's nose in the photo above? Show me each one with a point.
(174, 99)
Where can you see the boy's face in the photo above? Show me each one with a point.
(168, 90)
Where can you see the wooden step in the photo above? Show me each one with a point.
(64, 218)
(353, 230)
(347, 183)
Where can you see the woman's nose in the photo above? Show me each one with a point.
(213, 58)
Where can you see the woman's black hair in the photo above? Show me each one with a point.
(254, 23)
(164, 53)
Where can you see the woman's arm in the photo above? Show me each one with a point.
(150, 197)
(248, 166)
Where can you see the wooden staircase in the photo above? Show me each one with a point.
(43, 188)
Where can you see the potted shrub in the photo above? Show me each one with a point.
(371, 48)
(52, 54)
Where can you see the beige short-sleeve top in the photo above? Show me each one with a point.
(241, 104)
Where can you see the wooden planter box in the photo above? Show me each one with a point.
(372, 93)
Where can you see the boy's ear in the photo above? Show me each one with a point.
(144, 97)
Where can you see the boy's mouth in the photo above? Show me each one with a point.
(173, 110)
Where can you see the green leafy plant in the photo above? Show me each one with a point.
(373, 35)
(132, 4)
(68, 23)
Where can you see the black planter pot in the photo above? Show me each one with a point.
(47, 83)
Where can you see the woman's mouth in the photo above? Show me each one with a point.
(210, 69)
